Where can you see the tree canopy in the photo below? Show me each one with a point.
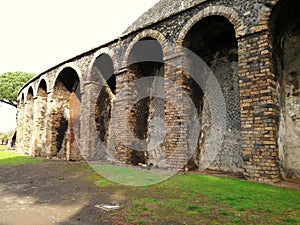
(10, 84)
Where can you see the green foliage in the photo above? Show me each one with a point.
(10, 84)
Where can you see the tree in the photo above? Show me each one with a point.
(10, 84)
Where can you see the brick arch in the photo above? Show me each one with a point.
(227, 12)
(97, 54)
(36, 84)
(45, 78)
(64, 111)
(22, 98)
(39, 86)
(27, 92)
(265, 16)
(144, 34)
(68, 65)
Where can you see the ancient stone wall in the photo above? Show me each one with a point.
(252, 109)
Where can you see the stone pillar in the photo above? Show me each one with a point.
(73, 128)
(124, 125)
(20, 125)
(49, 148)
(177, 111)
(259, 108)
(43, 118)
(39, 106)
(89, 142)
(36, 127)
(86, 143)
(28, 128)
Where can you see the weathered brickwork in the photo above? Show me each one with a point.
(40, 107)
(129, 103)
(259, 109)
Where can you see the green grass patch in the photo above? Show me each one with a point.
(8, 158)
(198, 199)
(104, 183)
(131, 176)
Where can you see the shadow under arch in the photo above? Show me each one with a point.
(145, 60)
(284, 25)
(213, 39)
(65, 112)
(104, 82)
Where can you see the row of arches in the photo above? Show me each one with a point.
(138, 93)
(146, 63)
(46, 120)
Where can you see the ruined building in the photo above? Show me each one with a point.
(203, 83)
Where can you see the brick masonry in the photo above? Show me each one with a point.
(258, 110)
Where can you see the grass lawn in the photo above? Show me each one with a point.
(199, 199)
(11, 158)
(133, 177)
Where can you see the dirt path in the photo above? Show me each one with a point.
(52, 192)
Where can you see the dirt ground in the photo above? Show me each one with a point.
(52, 192)
(60, 193)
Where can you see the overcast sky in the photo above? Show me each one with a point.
(38, 34)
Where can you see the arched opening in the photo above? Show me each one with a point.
(27, 129)
(146, 61)
(42, 89)
(213, 40)
(285, 28)
(40, 126)
(65, 113)
(105, 70)
(103, 75)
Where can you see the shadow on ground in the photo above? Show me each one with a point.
(52, 192)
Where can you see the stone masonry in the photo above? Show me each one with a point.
(191, 84)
